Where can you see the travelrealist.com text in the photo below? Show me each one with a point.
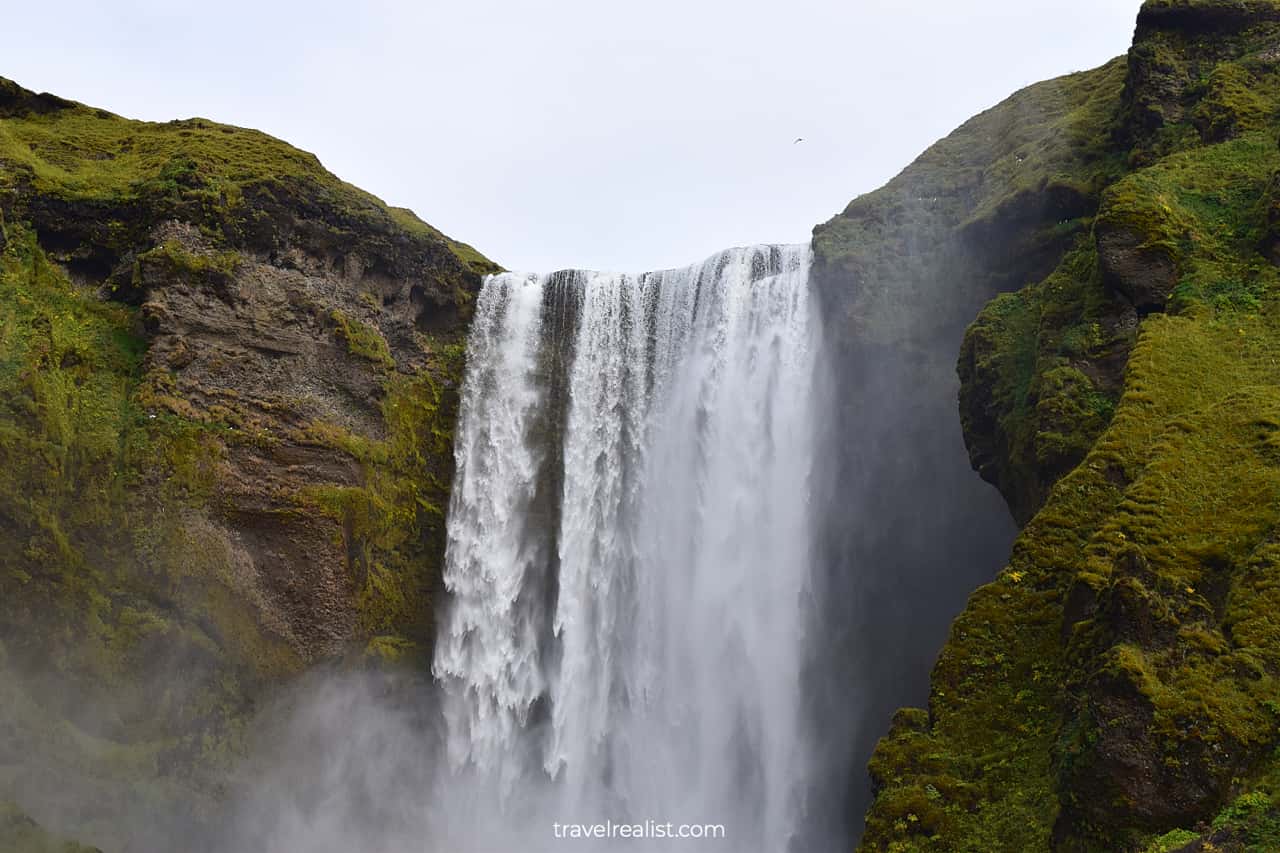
(643, 830)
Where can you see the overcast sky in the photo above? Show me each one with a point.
(584, 133)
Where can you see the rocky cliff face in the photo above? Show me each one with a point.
(902, 271)
(229, 386)
(1113, 688)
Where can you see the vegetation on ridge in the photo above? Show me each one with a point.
(100, 181)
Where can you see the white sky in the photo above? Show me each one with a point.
(583, 133)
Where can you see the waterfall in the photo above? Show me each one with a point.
(629, 554)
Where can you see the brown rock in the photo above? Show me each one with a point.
(1144, 274)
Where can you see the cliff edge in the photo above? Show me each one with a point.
(228, 384)
(1114, 687)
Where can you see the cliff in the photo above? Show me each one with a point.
(20, 833)
(229, 388)
(228, 382)
(901, 272)
(1114, 687)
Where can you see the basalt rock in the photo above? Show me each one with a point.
(1142, 274)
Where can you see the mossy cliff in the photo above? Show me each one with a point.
(901, 272)
(1115, 687)
(20, 833)
(228, 383)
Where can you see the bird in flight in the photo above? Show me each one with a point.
(798, 139)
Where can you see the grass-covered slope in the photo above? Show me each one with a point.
(95, 183)
(1115, 688)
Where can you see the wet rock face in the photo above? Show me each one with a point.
(1144, 275)
(268, 349)
(264, 337)
(277, 307)
(1127, 768)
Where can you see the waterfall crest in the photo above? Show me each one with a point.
(630, 549)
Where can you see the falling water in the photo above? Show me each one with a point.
(629, 554)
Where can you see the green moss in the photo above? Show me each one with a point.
(1250, 824)
(214, 268)
(1183, 91)
(1172, 840)
(395, 520)
(229, 179)
(78, 450)
(1203, 210)
(1021, 381)
(363, 340)
(1234, 102)
(469, 256)
(1059, 153)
